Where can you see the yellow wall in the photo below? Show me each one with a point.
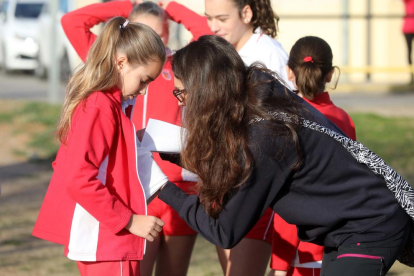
(388, 49)
(82, 3)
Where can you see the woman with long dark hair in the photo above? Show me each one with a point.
(255, 145)
(251, 26)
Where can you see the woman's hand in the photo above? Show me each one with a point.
(277, 273)
(164, 3)
(146, 227)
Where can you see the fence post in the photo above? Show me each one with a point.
(345, 36)
(54, 72)
(369, 36)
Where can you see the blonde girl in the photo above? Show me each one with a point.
(96, 201)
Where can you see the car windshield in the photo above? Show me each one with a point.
(28, 10)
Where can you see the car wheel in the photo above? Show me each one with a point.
(65, 71)
(4, 65)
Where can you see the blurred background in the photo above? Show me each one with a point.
(36, 60)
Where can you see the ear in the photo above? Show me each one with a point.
(329, 75)
(121, 61)
(247, 14)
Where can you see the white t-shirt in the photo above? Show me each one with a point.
(149, 174)
(267, 50)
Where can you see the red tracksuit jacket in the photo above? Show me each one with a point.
(95, 185)
(408, 26)
(193, 22)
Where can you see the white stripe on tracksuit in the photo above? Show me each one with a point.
(84, 232)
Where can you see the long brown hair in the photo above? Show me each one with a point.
(310, 60)
(138, 42)
(263, 15)
(222, 97)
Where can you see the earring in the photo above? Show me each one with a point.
(246, 20)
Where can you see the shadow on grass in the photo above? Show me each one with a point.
(26, 169)
(29, 247)
(401, 89)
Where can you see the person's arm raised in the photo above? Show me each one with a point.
(77, 23)
(193, 22)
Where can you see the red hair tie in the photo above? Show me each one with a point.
(308, 59)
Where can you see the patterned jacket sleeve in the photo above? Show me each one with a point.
(77, 24)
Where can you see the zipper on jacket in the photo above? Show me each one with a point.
(363, 256)
(144, 109)
(136, 169)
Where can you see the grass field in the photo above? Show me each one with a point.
(25, 134)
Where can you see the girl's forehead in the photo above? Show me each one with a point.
(219, 6)
(148, 19)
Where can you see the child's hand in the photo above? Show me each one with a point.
(277, 273)
(146, 227)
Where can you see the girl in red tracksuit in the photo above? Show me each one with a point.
(310, 61)
(174, 246)
(96, 201)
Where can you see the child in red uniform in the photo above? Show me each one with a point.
(96, 201)
(309, 68)
(173, 248)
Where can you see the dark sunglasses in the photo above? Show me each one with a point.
(178, 94)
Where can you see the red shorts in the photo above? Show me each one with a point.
(302, 271)
(173, 224)
(263, 229)
(114, 268)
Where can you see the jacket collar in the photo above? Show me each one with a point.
(116, 94)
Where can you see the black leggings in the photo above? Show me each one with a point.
(409, 39)
(364, 259)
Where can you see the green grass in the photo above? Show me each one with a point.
(6, 117)
(38, 120)
(41, 113)
(391, 138)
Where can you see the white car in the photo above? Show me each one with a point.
(68, 58)
(18, 47)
